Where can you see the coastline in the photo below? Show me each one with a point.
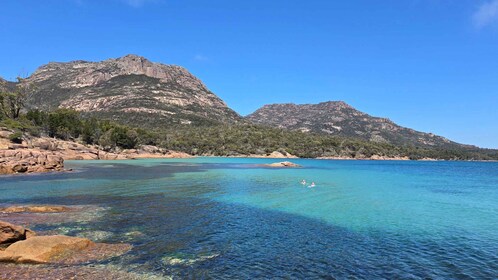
(44, 154)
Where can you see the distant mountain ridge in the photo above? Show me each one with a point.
(340, 119)
(129, 89)
(138, 92)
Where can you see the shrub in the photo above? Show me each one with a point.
(16, 137)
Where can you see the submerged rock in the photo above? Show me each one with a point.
(95, 235)
(282, 164)
(172, 260)
(98, 272)
(35, 209)
(49, 214)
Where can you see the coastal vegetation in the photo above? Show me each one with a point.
(218, 140)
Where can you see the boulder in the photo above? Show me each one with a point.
(60, 249)
(44, 249)
(5, 133)
(10, 233)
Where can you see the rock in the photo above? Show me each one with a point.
(44, 249)
(20, 167)
(5, 133)
(60, 249)
(35, 209)
(44, 144)
(28, 161)
(277, 154)
(48, 154)
(282, 164)
(10, 233)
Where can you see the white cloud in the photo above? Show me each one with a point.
(486, 14)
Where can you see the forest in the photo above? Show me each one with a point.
(214, 140)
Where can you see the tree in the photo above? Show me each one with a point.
(11, 103)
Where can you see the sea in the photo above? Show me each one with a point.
(234, 218)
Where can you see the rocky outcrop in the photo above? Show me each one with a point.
(340, 119)
(10, 233)
(29, 161)
(43, 154)
(377, 157)
(60, 249)
(275, 154)
(282, 164)
(374, 157)
(21, 245)
(69, 150)
(128, 89)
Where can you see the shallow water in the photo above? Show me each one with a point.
(230, 218)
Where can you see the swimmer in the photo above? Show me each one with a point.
(303, 182)
(312, 185)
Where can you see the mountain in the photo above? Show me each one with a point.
(339, 118)
(129, 89)
(6, 85)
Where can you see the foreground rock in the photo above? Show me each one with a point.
(44, 249)
(282, 164)
(10, 233)
(60, 249)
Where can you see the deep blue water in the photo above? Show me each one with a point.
(230, 218)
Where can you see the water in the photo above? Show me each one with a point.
(230, 218)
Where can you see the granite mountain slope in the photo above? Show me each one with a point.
(130, 89)
(339, 118)
(138, 92)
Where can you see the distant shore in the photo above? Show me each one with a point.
(43, 154)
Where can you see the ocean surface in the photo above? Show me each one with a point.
(229, 218)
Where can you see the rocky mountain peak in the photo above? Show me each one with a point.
(341, 119)
(336, 104)
(125, 86)
(82, 73)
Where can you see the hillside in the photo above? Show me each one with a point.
(167, 106)
(129, 89)
(340, 119)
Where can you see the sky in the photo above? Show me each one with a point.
(431, 65)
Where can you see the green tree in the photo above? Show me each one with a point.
(11, 103)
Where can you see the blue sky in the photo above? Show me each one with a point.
(431, 65)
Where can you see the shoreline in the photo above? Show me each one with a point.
(27, 161)
(44, 154)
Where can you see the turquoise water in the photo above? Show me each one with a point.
(230, 218)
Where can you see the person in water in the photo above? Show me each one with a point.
(303, 182)
(312, 185)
